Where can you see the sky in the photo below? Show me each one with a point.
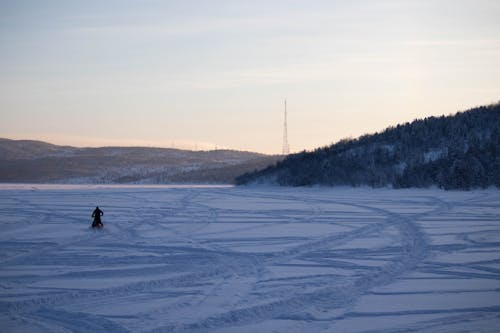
(213, 74)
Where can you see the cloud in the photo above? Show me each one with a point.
(459, 43)
(186, 27)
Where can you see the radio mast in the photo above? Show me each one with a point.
(286, 147)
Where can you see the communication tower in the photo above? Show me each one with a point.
(286, 147)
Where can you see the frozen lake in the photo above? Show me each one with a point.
(226, 259)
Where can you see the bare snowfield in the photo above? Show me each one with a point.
(263, 259)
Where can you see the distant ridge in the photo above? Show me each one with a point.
(41, 162)
(461, 151)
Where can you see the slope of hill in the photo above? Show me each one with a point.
(454, 152)
(35, 161)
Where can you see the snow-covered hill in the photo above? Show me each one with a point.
(34, 161)
(461, 151)
(242, 259)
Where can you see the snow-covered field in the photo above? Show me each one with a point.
(223, 259)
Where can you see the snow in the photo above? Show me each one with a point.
(247, 259)
(435, 154)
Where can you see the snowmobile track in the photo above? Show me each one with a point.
(203, 260)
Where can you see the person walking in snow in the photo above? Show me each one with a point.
(97, 218)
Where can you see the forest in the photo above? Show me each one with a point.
(28, 161)
(459, 151)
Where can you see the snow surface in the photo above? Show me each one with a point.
(262, 259)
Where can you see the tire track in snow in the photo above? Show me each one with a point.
(248, 264)
(52, 247)
(46, 214)
(414, 250)
(75, 322)
(478, 314)
(232, 264)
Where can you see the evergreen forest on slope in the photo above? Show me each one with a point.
(460, 151)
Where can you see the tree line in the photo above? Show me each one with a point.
(452, 152)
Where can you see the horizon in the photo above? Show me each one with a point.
(195, 147)
(214, 74)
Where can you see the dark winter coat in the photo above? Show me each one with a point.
(97, 214)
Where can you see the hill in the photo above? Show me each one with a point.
(35, 161)
(461, 151)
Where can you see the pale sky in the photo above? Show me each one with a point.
(212, 73)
